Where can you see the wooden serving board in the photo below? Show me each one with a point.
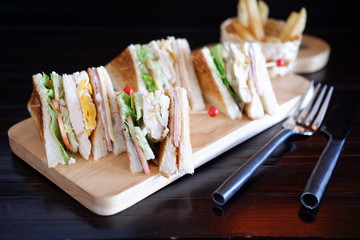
(107, 186)
(313, 54)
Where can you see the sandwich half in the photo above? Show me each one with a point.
(175, 154)
(156, 127)
(66, 109)
(234, 78)
(159, 65)
(48, 106)
(107, 136)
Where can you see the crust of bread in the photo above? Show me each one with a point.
(173, 160)
(213, 89)
(185, 160)
(167, 157)
(123, 71)
(35, 107)
(268, 97)
(38, 109)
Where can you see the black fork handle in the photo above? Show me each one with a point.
(221, 195)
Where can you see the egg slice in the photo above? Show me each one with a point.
(88, 108)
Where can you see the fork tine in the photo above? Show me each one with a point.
(305, 111)
(314, 110)
(300, 104)
(319, 118)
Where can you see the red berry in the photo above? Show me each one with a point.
(128, 90)
(213, 111)
(280, 62)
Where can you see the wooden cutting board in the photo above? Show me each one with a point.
(107, 186)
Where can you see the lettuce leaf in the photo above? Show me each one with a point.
(143, 54)
(49, 86)
(68, 128)
(132, 106)
(138, 101)
(216, 54)
(55, 130)
(54, 126)
(127, 105)
(57, 86)
(144, 144)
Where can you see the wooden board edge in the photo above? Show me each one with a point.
(52, 174)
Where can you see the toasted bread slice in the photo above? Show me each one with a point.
(188, 76)
(39, 110)
(213, 89)
(267, 95)
(175, 152)
(171, 54)
(185, 160)
(123, 70)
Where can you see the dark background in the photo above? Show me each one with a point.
(94, 32)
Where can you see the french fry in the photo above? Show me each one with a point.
(255, 25)
(242, 14)
(252, 18)
(289, 25)
(294, 26)
(243, 32)
(272, 39)
(263, 11)
(300, 24)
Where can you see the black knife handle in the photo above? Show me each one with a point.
(240, 176)
(320, 176)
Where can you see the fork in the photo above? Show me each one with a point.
(305, 120)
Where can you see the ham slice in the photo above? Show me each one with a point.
(138, 148)
(175, 99)
(104, 110)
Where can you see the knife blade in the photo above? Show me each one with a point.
(337, 127)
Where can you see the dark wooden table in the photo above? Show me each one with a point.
(67, 37)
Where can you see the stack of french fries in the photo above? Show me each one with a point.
(252, 19)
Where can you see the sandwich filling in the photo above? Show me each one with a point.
(104, 108)
(61, 127)
(147, 65)
(239, 69)
(164, 64)
(219, 57)
(145, 118)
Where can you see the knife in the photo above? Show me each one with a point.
(336, 127)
